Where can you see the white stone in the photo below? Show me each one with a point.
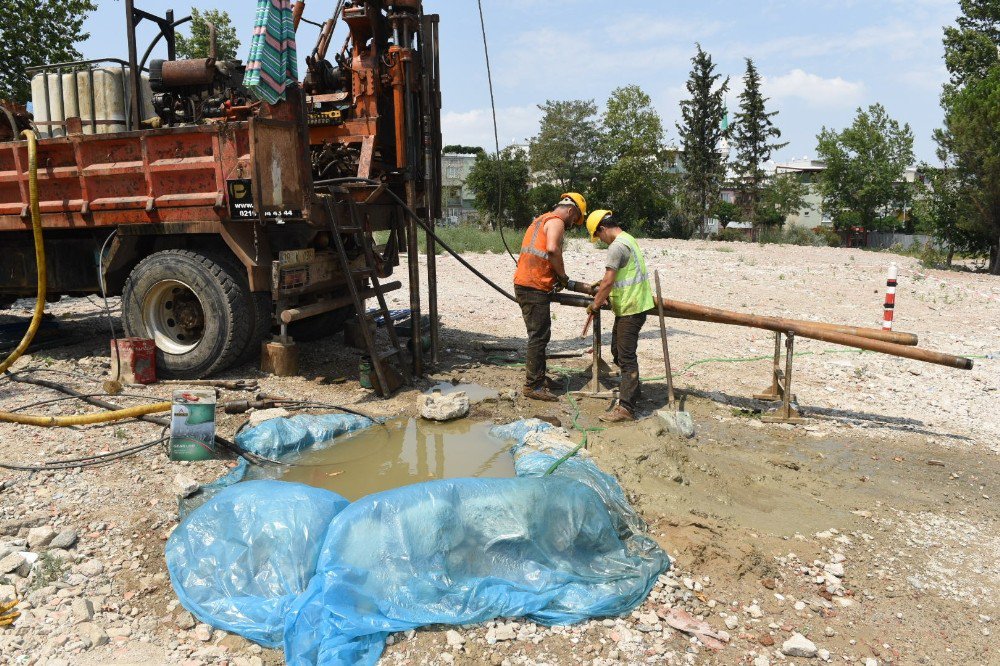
(186, 621)
(800, 605)
(64, 540)
(455, 639)
(798, 646)
(823, 654)
(835, 568)
(732, 622)
(186, 486)
(755, 612)
(443, 407)
(39, 537)
(203, 633)
(10, 564)
(82, 610)
(91, 568)
(761, 660)
(259, 416)
(92, 634)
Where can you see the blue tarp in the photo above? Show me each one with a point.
(282, 563)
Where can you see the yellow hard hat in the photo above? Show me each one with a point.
(594, 220)
(577, 200)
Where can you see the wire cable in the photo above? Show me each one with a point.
(107, 308)
(496, 133)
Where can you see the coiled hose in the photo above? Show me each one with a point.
(36, 320)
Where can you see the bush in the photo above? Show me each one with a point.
(931, 257)
(731, 235)
(790, 236)
(828, 236)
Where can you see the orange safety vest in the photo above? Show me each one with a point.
(533, 267)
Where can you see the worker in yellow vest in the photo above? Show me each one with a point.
(626, 284)
(540, 273)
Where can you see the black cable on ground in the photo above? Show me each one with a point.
(423, 225)
(496, 134)
(86, 461)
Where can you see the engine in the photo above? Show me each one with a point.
(187, 92)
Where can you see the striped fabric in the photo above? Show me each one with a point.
(273, 63)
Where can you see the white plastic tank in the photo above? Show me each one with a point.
(107, 104)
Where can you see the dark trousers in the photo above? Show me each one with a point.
(624, 351)
(536, 310)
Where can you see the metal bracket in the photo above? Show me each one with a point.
(598, 367)
(781, 384)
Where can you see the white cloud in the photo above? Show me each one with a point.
(475, 127)
(815, 90)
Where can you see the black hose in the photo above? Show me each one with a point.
(496, 134)
(423, 225)
(156, 40)
(87, 461)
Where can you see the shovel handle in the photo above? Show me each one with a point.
(663, 339)
(586, 326)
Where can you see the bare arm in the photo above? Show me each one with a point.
(555, 230)
(604, 289)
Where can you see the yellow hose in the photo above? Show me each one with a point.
(85, 419)
(36, 227)
(36, 320)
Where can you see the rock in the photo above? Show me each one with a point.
(767, 640)
(203, 633)
(40, 537)
(732, 622)
(11, 563)
(800, 605)
(186, 486)
(92, 634)
(455, 639)
(835, 568)
(120, 632)
(823, 654)
(186, 621)
(755, 612)
(443, 407)
(82, 610)
(829, 632)
(676, 423)
(501, 632)
(259, 416)
(91, 568)
(798, 646)
(64, 540)
(761, 661)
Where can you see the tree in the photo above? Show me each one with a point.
(543, 197)
(501, 187)
(944, 211)
(782, 195)
(725, 212)
(40, 32)
(457, 149)
(633, 178)
(563, 151)
(970, 138)
(753, 137)
(865, 164)
(701, 130)
(198, 45)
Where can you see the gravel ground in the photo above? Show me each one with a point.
(867, 536)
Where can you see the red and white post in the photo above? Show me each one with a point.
(890, 297)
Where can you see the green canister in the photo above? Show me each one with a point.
(192, 425)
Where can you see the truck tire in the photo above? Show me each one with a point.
(194, 306)
(321, 326)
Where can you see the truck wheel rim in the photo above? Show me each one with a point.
(174, 317)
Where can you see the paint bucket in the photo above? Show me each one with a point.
(192, 425)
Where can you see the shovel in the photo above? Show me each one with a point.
(673, 420)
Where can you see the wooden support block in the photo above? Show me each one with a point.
(279, 358)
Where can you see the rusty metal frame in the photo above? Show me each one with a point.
(781, 385)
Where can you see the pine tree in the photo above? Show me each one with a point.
(701, 131)
(198, 45)
(753, 137)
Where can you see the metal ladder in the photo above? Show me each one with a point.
(386, 375)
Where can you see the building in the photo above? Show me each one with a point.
(457, 198)
(806, 170)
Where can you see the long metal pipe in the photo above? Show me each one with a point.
(896, 338)
(682, 310)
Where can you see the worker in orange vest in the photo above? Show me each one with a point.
(541, 273)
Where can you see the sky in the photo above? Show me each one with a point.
(820, 59)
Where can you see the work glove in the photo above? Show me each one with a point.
(591, 309)
(562, 281)
(8, 614)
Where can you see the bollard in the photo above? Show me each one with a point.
(890, 297)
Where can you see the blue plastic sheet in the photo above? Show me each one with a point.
(556, 549)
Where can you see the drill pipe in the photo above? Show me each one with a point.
(907, 339)
(682, 310)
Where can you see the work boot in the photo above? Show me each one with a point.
(540, 393)
(555, 383)
(618, 415)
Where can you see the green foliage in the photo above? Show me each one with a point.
(501, 187)
(947, 213)
(754, 137)
(782, 195)
(792, 235)
(970, 139)
(38, 32)
(47, 570)
(197, 45)
(701, 132)
(864, 164)
(732, 235)
(543, 197)
(725, 212)
(829, 236)
(633, 180)
(563, 151)
(457, 149)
